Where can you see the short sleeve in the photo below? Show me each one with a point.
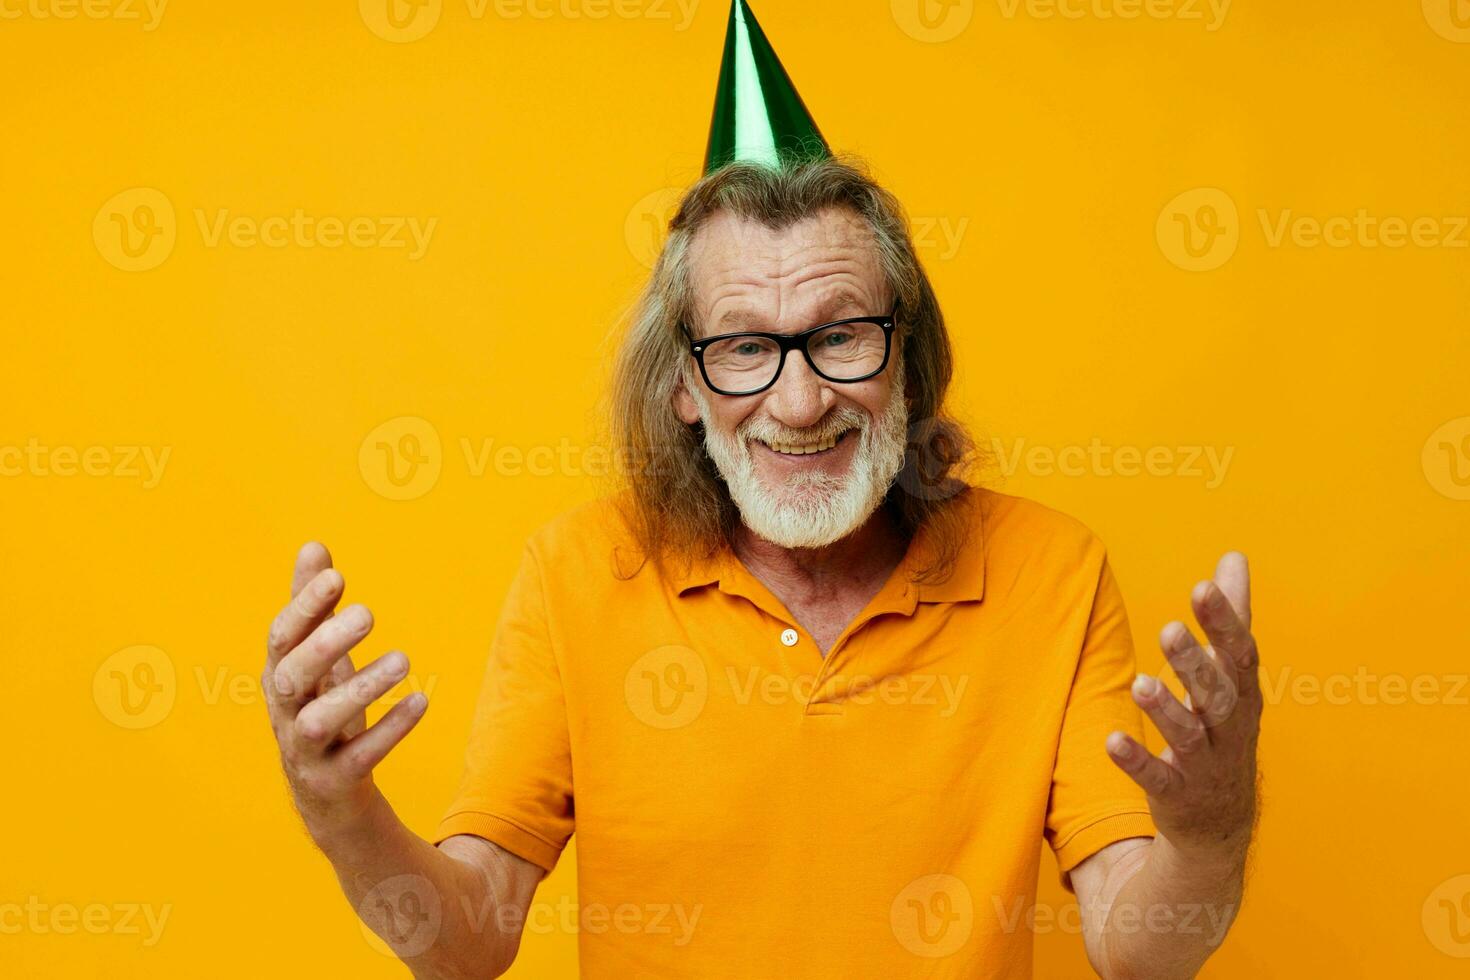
(517, 786)
(1094, 803)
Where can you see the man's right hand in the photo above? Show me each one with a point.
(318, 701)
(318, 705)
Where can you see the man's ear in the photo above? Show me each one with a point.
(684, 405)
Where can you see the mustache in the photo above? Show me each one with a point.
(832, 424)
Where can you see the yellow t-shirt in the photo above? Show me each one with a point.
(745, 807)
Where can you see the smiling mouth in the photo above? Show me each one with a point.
(805, 449)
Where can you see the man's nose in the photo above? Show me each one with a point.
(796, 399)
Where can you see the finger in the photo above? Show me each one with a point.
(310, 604)
(1212, 692)
(311, 560)
(326, 717)
(301, 670)
(1156, 776)
(1233, 576)
(1181, 728)
(365, 751)
(1228, 635)
(343, 670)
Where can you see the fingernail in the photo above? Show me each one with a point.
(283, 684)
(1145, 686)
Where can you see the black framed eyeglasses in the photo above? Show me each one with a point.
(749, 362)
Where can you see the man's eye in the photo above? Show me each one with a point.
(748, 348)
(836, 339)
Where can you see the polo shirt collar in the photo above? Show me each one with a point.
(967, 582)
(899, 594)
(701, 570)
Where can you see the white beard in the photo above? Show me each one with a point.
(810, 510)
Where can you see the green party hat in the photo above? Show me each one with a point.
(759, 117)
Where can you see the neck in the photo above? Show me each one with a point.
(867, 554)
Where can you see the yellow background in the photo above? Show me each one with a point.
(1050, 146)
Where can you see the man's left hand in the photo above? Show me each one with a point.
(1202, 787)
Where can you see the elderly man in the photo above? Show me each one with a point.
(809, 700)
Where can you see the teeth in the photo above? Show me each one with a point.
(792, 449)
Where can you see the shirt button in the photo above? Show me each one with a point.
(788, 637)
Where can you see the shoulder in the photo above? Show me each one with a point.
(593, 525)
(1022, 531)
(583, 539)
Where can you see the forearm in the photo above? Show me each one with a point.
(445, 918)
(1164, 912)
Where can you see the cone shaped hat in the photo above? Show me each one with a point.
(758, 117)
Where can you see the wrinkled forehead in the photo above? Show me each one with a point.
(824, 265)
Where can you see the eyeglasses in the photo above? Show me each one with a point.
(747, 363)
